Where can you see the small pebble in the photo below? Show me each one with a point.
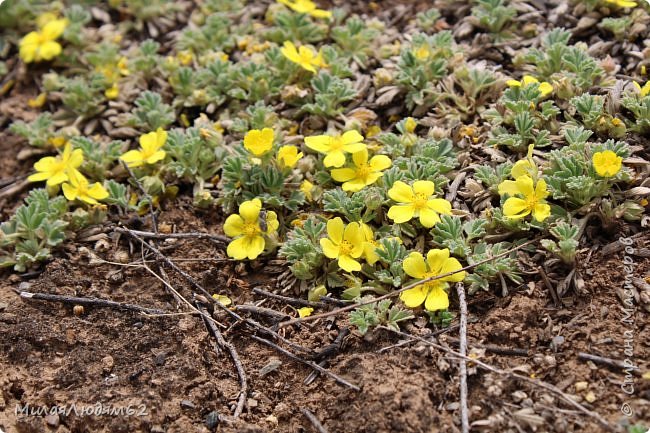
(581, 386)
(212, 420)
(52, 420)
(159, 359)
(186, 404)
(590, 397)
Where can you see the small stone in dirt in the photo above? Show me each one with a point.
(251, 403)
(453, 406)
(212, 420)
(3, 306)
(186, 323)
(157, 429)
(581, 386)
(138, 325)
(590, 397)
(52, 420)
(186, 404)
(270, 366)
(107, 364)
(518, 396)
(159, 359)
(25, 285)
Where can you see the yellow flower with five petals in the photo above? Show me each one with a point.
(417, 201)
(543, 87)
(526, 197)
(335, 147)
(56, 170)
(249, 237)
(607, 163)
(288, 156)
(78, 188)
(306, 7)
(344, 243)
(307, 58)
(363, 173)
(431, 293)
(150, 150)
(41, 45)
(258, 142)
(645, 89)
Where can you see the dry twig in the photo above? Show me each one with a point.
(241, 372)
(313, 420)
(88, 302)
(338, 379)
(464, 412)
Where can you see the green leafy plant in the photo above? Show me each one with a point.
(382, 313)
(29, 236)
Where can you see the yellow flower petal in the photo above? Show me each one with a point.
(428, 218)
(414, 265)
(437, 299)
(348, 264)
(343, 174)
(424, 187)
(335, 229)
(515, 208)
(250, 210)
(233, 226)
(401, 213)
(222, 299)
(414, 297)
(330, 250)
(305, 311)
(401, 193)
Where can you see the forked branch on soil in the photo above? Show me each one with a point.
(241, 372)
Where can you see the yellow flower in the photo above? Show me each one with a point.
(41, 45)
(622, 3)
(245, 228)
(334, 147)
(304, 56)
(607, 163)
(306, 7)
(344, 243)
(417, 201)
(370, 245)
(307, 187)
(431, 293)
(373, 130)
(122, 66)
(78, 188)
(523, 167)
(305, 311)
(39, 101)
(112, 92)
(363, 173)
(533, 201)
(222, 299)
(288, 156)
(645, 90)
(258, 142)
(185, 57)
(422, 53)
(544, 87)
(410, 124)
(57, 141)
(150, 150)
(57, 170)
